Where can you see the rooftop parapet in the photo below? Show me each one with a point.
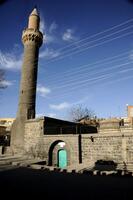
(112, 123)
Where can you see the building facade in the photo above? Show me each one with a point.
(59, 142)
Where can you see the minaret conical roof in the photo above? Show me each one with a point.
(34, 11)
(34, 19)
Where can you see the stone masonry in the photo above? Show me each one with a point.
(111, 141)
(32, 39)
(37, 144)
(117, 146)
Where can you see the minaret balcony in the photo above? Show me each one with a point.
(32, 36)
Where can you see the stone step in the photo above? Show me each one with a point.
(80, 167)
(16, 160)
(11, 157)
(28, 162)
(7, 167)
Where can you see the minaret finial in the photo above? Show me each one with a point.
(34, 11)
(34, 19)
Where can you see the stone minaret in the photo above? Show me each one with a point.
(32, 39)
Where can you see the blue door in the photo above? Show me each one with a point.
(62, 158)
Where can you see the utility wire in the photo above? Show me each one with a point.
(93, 81)
(89, 42)
(77, 81)
(90, 47)
(89, 68)
(94, 35)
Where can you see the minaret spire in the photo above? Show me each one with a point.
(34, 19)
(34, 11)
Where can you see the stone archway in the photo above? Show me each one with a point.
(55, 152)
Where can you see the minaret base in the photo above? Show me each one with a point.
(17, 136)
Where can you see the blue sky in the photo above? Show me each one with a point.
(86, 57)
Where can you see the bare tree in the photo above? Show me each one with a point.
(79, 112)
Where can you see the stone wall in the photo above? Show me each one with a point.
(117, 147)
(71, 143)
(37, 144)
(33, 137)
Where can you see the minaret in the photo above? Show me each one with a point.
(32, 39)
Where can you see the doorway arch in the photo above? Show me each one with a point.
(59, 154)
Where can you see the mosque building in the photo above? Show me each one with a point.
(61, 143)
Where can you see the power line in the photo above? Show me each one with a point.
(87, 75)
(86, 80)
(96, 34)
(82, 67)
(92, 67)
(90, 47)
(107, 41)
(103, 37)
(91, 81)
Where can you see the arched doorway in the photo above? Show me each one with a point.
(59, 154)
(62, 158)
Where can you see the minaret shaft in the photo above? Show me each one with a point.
(32, 39)
(27, 97)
